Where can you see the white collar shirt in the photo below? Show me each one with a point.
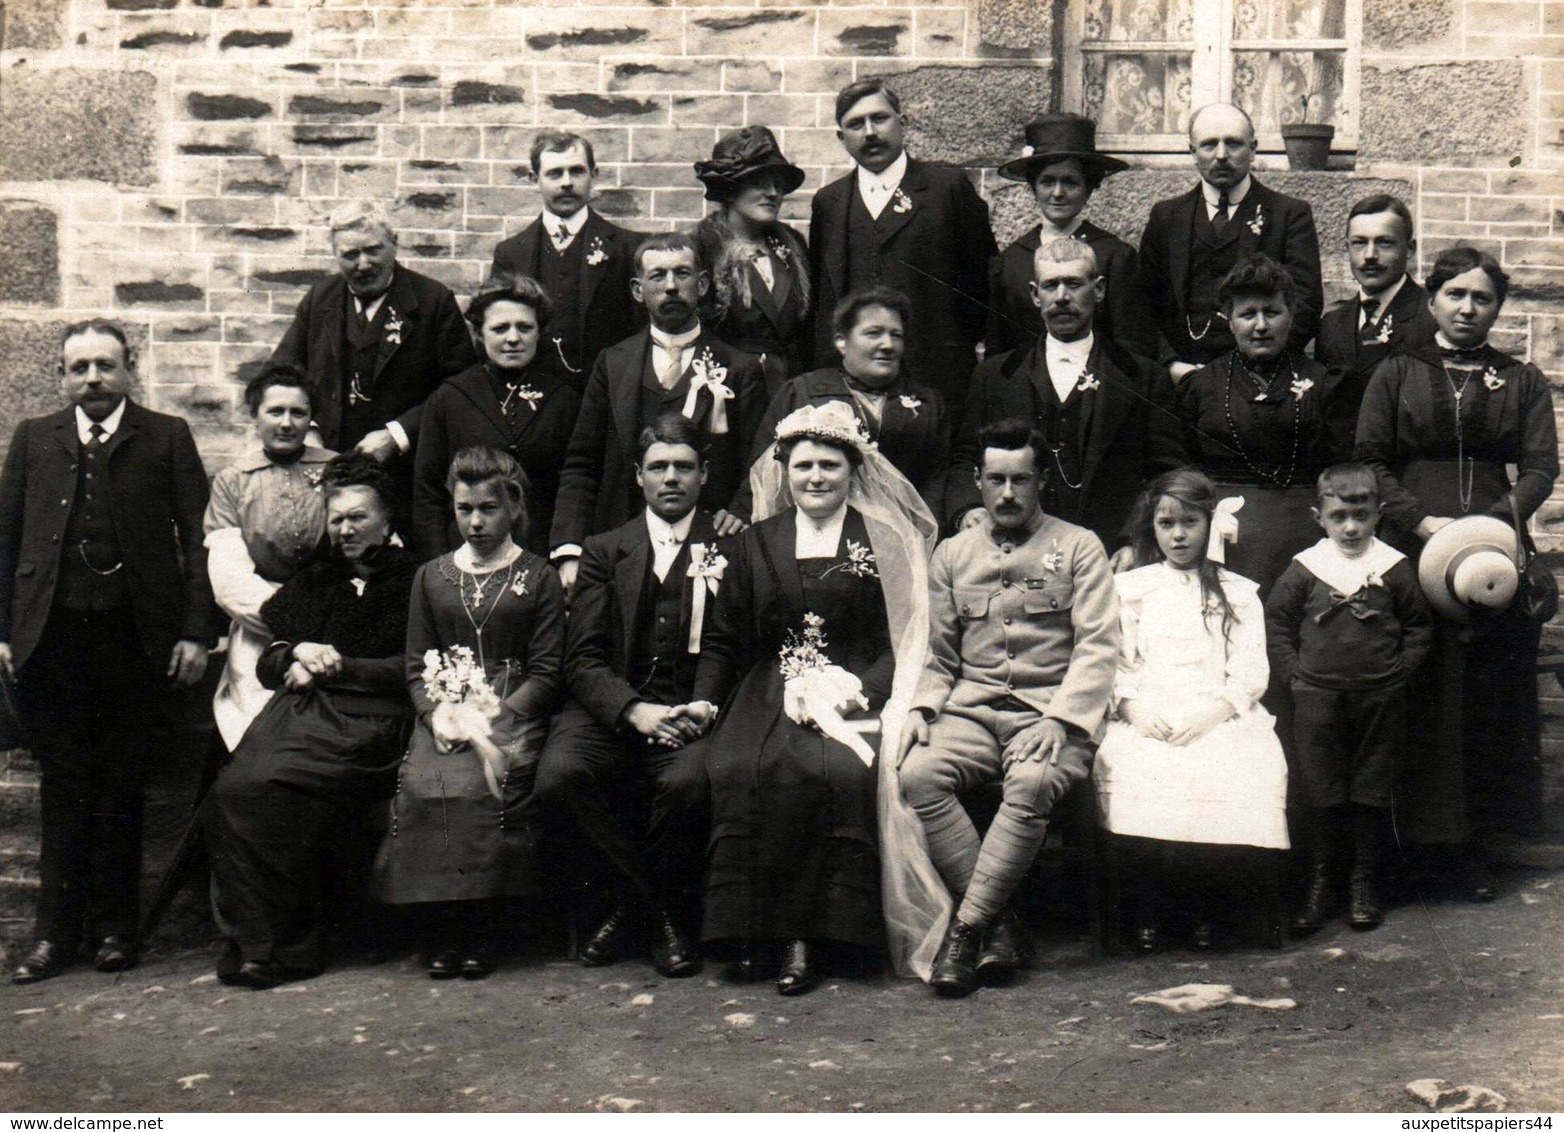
(109, 424)
(1384, 299)
(1235, 197)
(667, 540)
(877, 189)
(571, 224)
(672, 349)
(1066, 363)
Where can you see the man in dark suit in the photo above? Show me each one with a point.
(1193, 240)
(1390, 314)
(674, 364)
(377, 338)
(637, 612)
(104, 603)
(919, 228)
(582, 260)
(1105, 412)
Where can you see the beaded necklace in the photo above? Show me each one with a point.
(1232, 426)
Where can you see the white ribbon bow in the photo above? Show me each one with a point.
(710, 380)
(1224, 528)
(709, 572)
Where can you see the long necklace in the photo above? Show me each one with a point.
(1464, 476)
(1232, 428)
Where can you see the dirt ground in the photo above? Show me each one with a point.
(1468, 993)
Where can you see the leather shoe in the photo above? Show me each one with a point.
(259, 975)
(1364, 910)
(1316, 902)
(1203, 938)
(955, 967)
(1148, 939)
(44, 961)
(1006, 949)
(673, 955)
(115, 954)
(611, 942)
(797, 976)
(445, 964)
(478, 963)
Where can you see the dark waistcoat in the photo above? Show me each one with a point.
(662, 668)
(88, 578)
(560, 274)
(1060, 425)
(361, 346)
(864, 233)
(1210, 258)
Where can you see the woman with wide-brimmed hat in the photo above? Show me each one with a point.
(759, 299)
(1063, 168)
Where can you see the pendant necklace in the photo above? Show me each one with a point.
(1465, 475)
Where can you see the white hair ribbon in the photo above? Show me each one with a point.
(1224, 528)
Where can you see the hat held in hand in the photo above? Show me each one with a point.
(1470, 564)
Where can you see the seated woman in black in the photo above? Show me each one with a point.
(325, 744)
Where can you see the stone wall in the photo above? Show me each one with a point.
(171, 162)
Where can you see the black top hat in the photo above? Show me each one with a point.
(739, 156)
(1054, 137)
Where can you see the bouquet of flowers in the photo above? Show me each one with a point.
(818, 692)
(466, 707)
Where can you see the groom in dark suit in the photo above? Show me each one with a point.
(676, 365)
(581, 259)
(104, 605)
(641, 598)
(1105, 412)
(897, 222)
(1191, 241)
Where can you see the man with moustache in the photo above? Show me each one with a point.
(1193, 240)
(104, 606)
(1390, 314)
(898, 222)
(674, 364)
(1105, 413)
(906, 418)
(1023, 641)
(642, 596)
(376, 338)
(581, 259)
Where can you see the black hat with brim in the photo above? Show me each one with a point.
(741, 155)
(1057, 137)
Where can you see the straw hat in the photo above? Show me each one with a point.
(1469, 564)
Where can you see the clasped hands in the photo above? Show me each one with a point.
(1180, 728)
(312, 662)
(671, 727)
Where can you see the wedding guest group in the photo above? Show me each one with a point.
(719, 595)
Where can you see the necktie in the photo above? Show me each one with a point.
(561, 237)
(1219, 221)
(675, 368)
(95, 436)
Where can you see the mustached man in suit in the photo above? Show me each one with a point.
(1390, 314)
(642, 597)
(897, 222)
(104, 606)
(675, 364)
(1193, 240)
(581, 259)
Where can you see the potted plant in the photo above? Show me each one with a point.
(1308, 143)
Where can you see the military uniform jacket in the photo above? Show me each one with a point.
(1036, 621)
(159, 492)
(431, 344)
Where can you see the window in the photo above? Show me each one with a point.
(1138, 67)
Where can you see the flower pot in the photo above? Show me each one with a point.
(1308, 144)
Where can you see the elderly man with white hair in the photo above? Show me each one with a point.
(1104, 412)
(376, 338)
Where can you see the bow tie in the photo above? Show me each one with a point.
(1355, 604)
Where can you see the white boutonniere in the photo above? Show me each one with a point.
(900, 202)
(706, 566)
(779, 249)
(1300, 386)
(526, 393)
(911, 404)
(1384, 329)
(1492, 380)
(519, 586)
(1053, 561)
(706, 561)
(359, 585)
(708, 375)
(393, 327)
(312, 477)
(860, 562)
(1088, 382)
(1257, 225)
(597, 253)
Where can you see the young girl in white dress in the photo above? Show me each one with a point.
(1190, 775)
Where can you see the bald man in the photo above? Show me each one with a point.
(1194, 239)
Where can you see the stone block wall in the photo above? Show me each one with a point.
(172, 162)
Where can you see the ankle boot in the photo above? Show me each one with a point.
(1316, 901)
(1365, 909)
(955, 967)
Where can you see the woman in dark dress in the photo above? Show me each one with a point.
(759, 299)
(905, 417)
(464, 827)
(1439, 425)
(325, 746)
(1063, 168)
(1263, 421)
(509, 401)
(802, 637)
